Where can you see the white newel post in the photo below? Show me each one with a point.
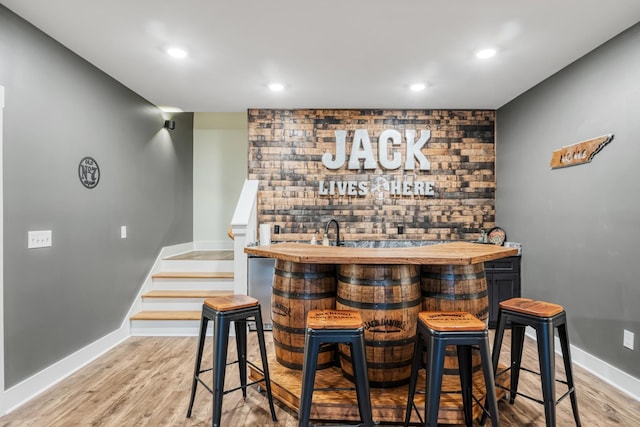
(244, 226)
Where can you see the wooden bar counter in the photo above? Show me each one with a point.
(389, 286)
(453, 253)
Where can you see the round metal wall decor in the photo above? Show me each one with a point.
(89, 172)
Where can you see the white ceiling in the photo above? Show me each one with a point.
(331, 53)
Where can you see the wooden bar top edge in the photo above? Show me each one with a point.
(455, 253)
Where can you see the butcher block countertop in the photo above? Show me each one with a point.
(455, 253)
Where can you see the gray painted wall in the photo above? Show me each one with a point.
(59, 109)
(580, 226)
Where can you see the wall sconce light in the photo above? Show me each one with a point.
(169, 124)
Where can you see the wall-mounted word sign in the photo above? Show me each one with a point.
(379, 187)
(580, 153)
(361, 149)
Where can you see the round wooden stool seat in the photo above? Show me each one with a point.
(334, 319)
(231, 302)
(531, 307)
(444, 321)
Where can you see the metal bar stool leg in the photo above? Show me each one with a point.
(265, 365)
(489, 375)
(435, 368)
(464, 368)
(196, 372)
(517, 343)
(220, 342)
(309, 366)
(415, 367)
(566, 356)
(501, 323)
(362, 384)
(546, 355)
(241, 347)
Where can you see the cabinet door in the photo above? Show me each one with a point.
(501, 286)
(503, 282)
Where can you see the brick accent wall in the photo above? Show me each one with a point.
(285, 155)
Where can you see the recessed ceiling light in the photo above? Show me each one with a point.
(176, 52)
(485, 53)
(276, 87)
(417, 87)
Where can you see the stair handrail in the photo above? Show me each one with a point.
(244, 226)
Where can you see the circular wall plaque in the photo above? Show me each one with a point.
(89, 172)
(497, 236)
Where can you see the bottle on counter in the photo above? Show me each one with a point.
(314, 240)
(325, 240)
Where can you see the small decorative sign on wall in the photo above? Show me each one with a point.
(580, 153)
(89, 172)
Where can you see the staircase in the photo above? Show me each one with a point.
(173, 304)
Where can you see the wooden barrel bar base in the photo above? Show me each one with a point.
(388, 404)
(456, 288)
(388, 299)
(297, 289)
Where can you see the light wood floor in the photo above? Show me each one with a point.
(146, 381)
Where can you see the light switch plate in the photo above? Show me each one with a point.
(627, 340)
(123, 232)
(39, 239)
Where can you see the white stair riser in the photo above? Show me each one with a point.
(172, 304)
(195, 265)
(166, 328)
(171, 328)
(192, 284)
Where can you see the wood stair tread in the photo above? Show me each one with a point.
(204, 255)
(186, 293)
(193, 275)
(167, 315)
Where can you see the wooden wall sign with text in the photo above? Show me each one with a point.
(580, 153)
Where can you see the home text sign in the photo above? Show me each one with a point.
(580, 153)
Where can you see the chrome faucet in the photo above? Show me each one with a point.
(326, 231)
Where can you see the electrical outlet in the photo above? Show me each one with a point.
(39, 239)
(628, 339)
(123, 232)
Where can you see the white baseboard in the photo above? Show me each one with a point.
(601, 369)
(609, 374)
(50, 376)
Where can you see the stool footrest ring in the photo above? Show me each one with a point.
(335, 389)
(522, 368)
(243, 386)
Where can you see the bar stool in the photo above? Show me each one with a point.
(440, 329)
(222, 311)
(543, 317)
(334, 326)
